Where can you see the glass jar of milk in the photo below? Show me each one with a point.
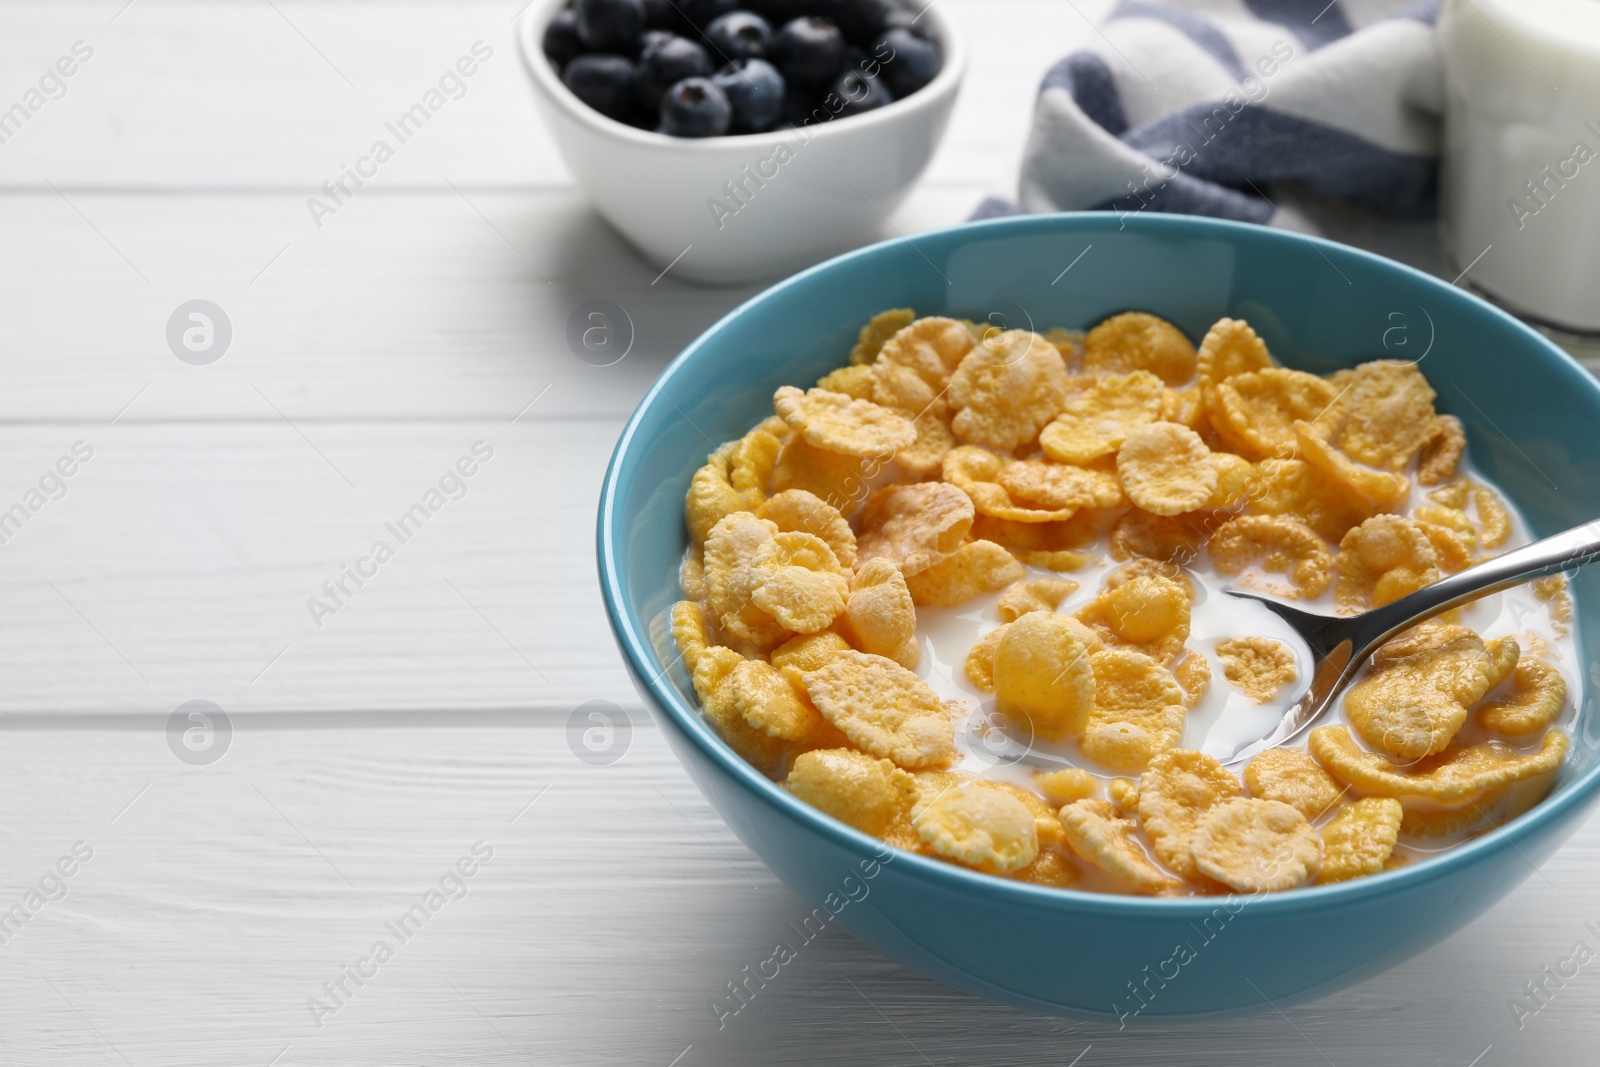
(1521, 174)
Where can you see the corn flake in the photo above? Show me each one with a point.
(883, 709)
(1260, 666)
(1437, 461)
(1230, 347)
(1291, 776)
(1380, 489)
(692, 572)
(1254, 846)
(798, 581)
(1136, 340)
(1097, 421)
(808, 652)
(1040, 594)
(1382, 560)
(1255, 413)
(1166, 469)
(1279, 545)
(915, 525)
(877, 331)
(835, 422)
(712, 498)
(1176, 789)
(689, 632)
(1149, 614)
(713, 684)
(854, 382)
(1193, 674)
(1138, 711)
(797, 511)
(1052, 868)
(977, 567)
(1042, 668)
(925, 457)
(1455, 773)
(1100, 836)
(731, 580)
(1146, 568)
(1294, 489)
(1124, 793)
(872, 795)
(1388, 416)
(1451, 534)
(834, 477)
(1538, 695)
(769, 702)
(751, 463)
(1494, 521)
(1168, 538)
(1066, 786)
(976, 471)
(914, 366)
(979, 665)
(1419, 689)
(1360, 839)
(880, 615)
(1007, 389)
(1236, 480)
(980, 826)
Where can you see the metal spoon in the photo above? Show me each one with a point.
(1341, 644)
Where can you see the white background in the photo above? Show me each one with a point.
(431, 712)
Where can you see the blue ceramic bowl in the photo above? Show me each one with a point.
(1529, 411)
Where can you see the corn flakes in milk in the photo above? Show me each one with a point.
(950, 471)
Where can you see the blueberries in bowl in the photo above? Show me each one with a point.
(610, 25)
(739, 35)
(665, 61)
(755, 89)
(649, 63)
(696, 107)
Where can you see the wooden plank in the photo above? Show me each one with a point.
(180, 563)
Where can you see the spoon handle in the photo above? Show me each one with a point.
(1564, 551)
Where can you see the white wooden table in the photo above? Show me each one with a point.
(430, 712)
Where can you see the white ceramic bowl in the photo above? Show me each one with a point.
(738, 209)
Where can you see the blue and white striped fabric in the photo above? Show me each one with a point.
(1201, 106)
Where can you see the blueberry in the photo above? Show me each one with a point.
(664, 63)
(660, 14)
(755, 89)
(603, 82)
(610, 25)
(860, 93)
(561, 41)
(909, 62)
(901, 19)
(861, 21)
(739, 35)
(702, 12)
(653, 37)
(809, 52)
(695, 107)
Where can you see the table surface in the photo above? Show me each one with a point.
(428, 716)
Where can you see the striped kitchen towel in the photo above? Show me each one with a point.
(1201, 106)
